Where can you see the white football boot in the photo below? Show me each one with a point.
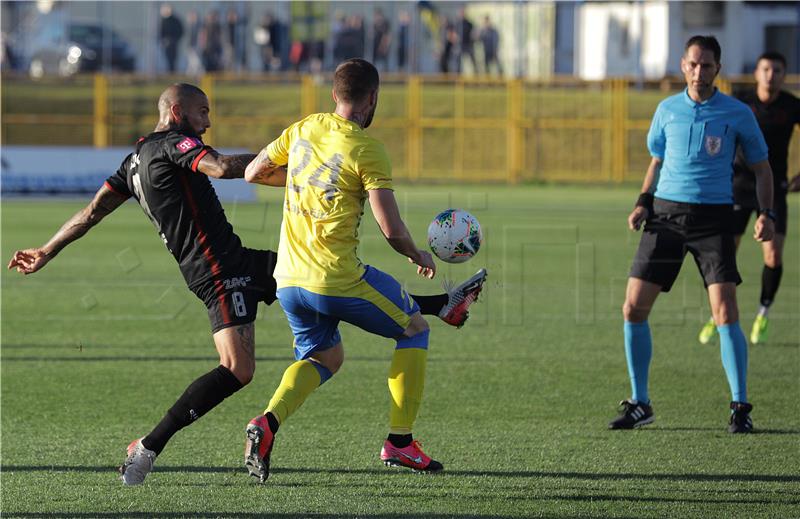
(138, 464)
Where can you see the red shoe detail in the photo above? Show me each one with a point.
(456, 312)
(258, 447)
(410, 456)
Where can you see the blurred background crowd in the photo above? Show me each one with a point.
(591, 40)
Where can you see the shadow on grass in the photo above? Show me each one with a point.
(592, 476)
(720, 430)
(209, 515)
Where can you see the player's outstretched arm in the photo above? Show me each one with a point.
(262, 170)
(642, 211)
(764, 228)
(216, 165)
(28, 261)
(384, 207)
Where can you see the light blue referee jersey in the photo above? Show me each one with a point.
(696, 143)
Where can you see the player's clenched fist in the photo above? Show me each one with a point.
(764, 229)
(637, 217)
(28, 261)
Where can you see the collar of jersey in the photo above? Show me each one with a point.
(348, 122)
(708, 102)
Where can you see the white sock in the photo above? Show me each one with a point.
(763, 310)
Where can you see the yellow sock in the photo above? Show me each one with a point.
(299, 380)
(406, 382)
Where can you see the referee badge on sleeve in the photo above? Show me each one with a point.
(713, 144)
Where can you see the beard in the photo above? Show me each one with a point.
(370, 115)
(185, 127)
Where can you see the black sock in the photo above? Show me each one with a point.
(200, 397)
(770, 281)
(431, 305)
(273, 422)
(400, 440)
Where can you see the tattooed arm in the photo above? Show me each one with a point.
(217, 165)
(28, 261)
(262, 170)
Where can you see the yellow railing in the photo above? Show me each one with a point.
(435, 128)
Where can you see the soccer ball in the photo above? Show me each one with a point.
(455, 236)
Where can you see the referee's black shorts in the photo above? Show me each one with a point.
(705, 230)
(232, 300)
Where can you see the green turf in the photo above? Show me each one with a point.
(98, 345)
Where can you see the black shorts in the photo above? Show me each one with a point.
(233, 299)
(705, 230)
(741, 215)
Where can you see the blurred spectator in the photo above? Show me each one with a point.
(210, 42)
(194, 65)
(8, 58)
(404, 21)
(490, 40)
(170, 33)
(268, 36)
(466, 39)
(235, 51)
(381, 41)
(339, 37)
(359, 35)
(350, 40)
(449, 41)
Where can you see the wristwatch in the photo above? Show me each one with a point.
(769, 213)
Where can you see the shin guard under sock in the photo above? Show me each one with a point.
(200, 397)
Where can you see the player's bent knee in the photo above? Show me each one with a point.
(417, 325)
(332, 358)
(243, 372)
(633, 313)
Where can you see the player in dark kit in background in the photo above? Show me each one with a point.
(777, 112)
(168, 175)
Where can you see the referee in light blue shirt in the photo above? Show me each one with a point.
(686, 205)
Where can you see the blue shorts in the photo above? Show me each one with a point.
(377, 304)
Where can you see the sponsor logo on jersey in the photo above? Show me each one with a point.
(713, 144)
(134, 161)
(233, 283)
(189, 143)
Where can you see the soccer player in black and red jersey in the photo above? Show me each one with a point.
(777, 112)
(168, 175)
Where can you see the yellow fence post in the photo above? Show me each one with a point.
(458, 127)
(514, 129)
(414, 132)
(308, 96)
(619, 119)
(100, 111)
(207, 85)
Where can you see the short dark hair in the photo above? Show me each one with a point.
(705, 43)
(178, 93)
(354, 79)
(773, 56)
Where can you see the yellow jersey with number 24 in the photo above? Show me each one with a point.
(331, 164)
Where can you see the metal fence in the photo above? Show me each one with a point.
(437, 129)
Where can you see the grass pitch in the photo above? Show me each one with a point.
(98, 345)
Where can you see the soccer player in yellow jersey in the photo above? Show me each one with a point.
(333, 167)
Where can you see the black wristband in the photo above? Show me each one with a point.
(769, 213)
(645, 200)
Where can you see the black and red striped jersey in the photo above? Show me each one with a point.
(181, 202)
